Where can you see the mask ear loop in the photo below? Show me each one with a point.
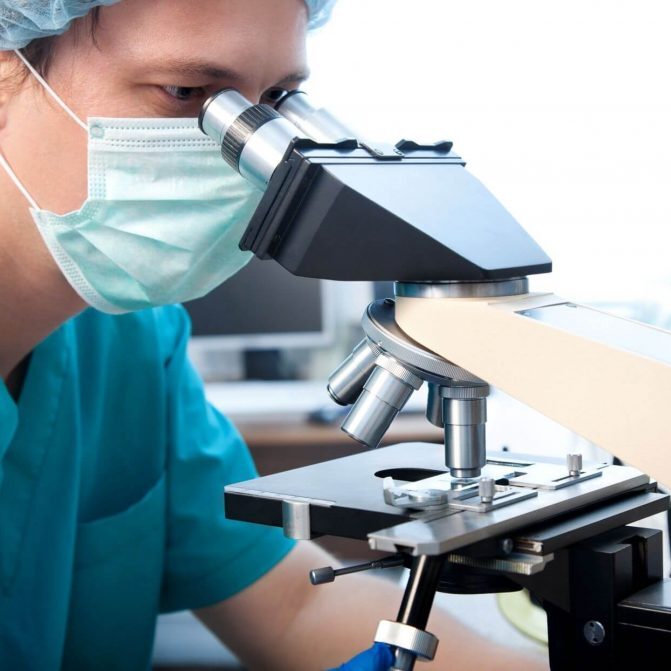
(3, 161)
(12, 175)
(51, 92)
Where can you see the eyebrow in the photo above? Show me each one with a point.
(213, 71)
(300, 76)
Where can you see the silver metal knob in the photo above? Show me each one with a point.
(487, 489)
(420, 643)
(574, 463)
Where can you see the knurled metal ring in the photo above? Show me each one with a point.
(464, 392)
(397, 370)
(242, 129)
(417, 641)
(374, 348)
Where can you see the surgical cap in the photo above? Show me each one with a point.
(22, 21)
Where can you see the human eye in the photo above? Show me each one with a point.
(273, 95)
(185, 94)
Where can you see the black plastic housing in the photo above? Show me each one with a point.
(337, 212)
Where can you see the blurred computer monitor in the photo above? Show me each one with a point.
(263, 307)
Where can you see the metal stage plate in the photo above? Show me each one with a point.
(344, 497)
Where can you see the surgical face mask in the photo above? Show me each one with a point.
(162, 220)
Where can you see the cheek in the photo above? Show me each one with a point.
(47, 150)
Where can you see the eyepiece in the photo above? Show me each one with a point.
(315, 122)
(253, 138)
(220, 111)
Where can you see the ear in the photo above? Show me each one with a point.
(9, 72)
(5, 83)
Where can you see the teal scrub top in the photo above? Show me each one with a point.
(112, 469)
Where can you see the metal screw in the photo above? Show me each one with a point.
(574, 463)
(486, 489)
(594, 632)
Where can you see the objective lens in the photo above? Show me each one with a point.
(434, 406)
(346, 382)
(465, 446)
(382, 398)
(253, 138)
(461, 408)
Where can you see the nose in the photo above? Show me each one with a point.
(253, 96)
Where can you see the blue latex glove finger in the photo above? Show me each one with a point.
(377, 658)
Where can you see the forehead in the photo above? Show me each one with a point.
(262, 40)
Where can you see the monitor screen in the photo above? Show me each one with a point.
(262, 307)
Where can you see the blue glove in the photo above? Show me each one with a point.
(377, 658)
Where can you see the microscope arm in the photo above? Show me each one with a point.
(604, 377)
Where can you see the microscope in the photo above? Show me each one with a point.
(339, 207)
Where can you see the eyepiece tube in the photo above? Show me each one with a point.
(316, 122)
(253, 138)
(220, 111)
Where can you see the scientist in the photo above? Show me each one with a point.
(112, 464)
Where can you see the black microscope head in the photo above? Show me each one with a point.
(343, 209)
(341, 212)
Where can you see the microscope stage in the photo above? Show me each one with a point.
(344, 497)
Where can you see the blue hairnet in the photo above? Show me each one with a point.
(320, 11)
(22, 21)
